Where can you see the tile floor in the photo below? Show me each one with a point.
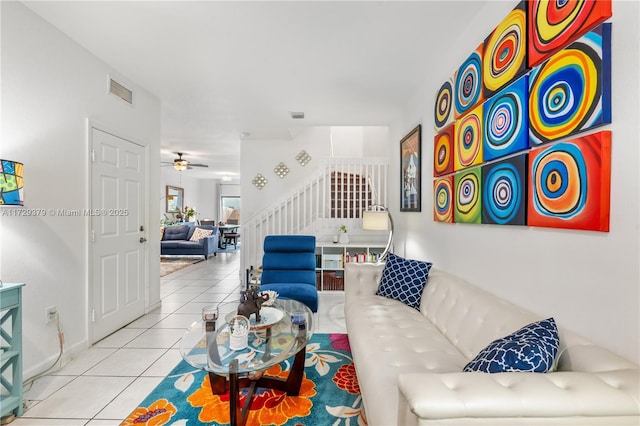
(102, 385)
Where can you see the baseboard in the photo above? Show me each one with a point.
(153, 307)
(67, 355)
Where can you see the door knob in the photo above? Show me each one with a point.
(142, 240)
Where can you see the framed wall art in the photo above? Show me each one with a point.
(410, 171)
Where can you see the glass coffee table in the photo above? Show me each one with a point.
(283, 332)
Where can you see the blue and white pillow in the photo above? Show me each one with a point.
(532, 348)
(404, 280)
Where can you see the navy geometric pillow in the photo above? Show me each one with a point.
(532, 348)
(403, 280)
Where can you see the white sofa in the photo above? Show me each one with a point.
(409, 363)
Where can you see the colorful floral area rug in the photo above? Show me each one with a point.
(329, 394)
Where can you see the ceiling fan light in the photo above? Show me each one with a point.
(180, 165)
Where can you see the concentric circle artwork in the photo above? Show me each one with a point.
(443, 152)
(570, 183)
(468, 206)
(554, 24)
(443, 109)
(569, 93)
(468, 140)
(504, 191)
(505, 53)
(505, 121)
(468, 83)
(443, 199)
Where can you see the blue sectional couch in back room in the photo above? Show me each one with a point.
(176, 240)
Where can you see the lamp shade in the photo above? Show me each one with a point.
(375, 220)
(11, 183)
(378, 218)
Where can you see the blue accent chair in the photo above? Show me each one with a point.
(289, 268)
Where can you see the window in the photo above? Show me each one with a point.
(230, 208)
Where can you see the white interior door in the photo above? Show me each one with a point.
(117, 227)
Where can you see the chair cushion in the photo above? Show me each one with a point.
(290, 243)
(404, 280)
(304, 293)
(532, 348)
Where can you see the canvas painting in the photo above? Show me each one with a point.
(553, 25)
(411, 171)
(443, 152)
(443, 110)
(569, 183)
(571, 91)
(506, 121)
(468, 83)
(443, 199)
(504, 191)
(467, 147)
(11, 183)
(468, 196)
(505, 52)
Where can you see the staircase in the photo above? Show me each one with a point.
(336, 195)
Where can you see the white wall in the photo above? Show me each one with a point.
(588, 281)
(50, 86)
(321, 142)
(202, 194)
(262, 156)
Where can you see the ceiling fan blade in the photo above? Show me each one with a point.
(198, 165)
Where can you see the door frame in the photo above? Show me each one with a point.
(90, 125)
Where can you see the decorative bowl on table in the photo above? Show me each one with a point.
(272, 297)
(268, 317)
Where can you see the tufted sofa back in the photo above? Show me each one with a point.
(177, 232)
(471, 318)
(468, 316)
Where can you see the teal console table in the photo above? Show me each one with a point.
(11, 349)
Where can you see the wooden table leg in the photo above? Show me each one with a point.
(234, 395)
(294, 379)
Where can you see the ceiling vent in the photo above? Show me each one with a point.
(297, 115)
(120, 91)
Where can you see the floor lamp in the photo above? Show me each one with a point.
(378, 218)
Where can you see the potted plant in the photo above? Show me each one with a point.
(344, 235)
(189, 213)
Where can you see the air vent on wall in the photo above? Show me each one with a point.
(120, 91)
(297, 115)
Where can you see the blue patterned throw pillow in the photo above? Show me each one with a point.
(404, 279)
(532, 348)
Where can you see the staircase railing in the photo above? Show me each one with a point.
(336, 195)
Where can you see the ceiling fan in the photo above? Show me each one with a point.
(181, 164)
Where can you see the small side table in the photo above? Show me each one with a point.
(207, 347)
(11, 354)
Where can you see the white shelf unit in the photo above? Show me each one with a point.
(331, 257)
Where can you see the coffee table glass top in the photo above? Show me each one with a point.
(271, 341)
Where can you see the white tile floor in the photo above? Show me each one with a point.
(106, 382)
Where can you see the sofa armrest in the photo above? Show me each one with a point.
(433, 396)
(361, 279)
(211, 243)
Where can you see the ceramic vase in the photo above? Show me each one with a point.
(344, 238)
